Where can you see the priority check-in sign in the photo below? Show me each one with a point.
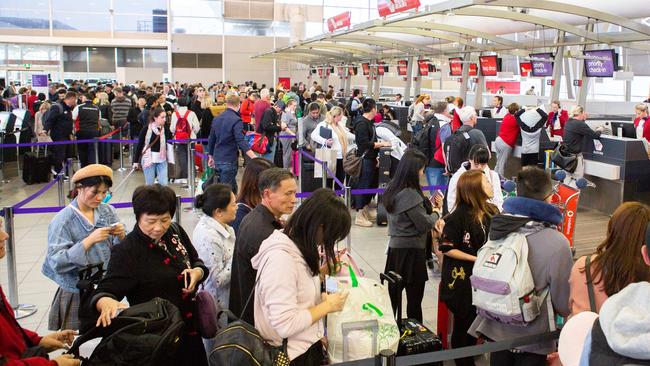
(388, 7)
(339, 21)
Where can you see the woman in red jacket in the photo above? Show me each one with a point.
(22, 347)
(556, 119)
(455, 121)
(640, 122)
(505, 142)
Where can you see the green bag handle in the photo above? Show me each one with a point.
(370, 307)
(353, 276)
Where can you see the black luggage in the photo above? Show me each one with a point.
(307, 181)
(416, 338)
(144, 334)
(37, 167)
(385, 163)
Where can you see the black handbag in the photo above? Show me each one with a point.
(564, 158)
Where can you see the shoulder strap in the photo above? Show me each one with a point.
(178, 116)
(590, 284)
(187, 113)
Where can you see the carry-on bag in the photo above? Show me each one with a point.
(415, 337)
(37, 166)
(385, 163)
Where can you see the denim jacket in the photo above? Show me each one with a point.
(65, 252)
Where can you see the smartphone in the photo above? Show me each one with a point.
(331, 285)
(115, 224)
(187, 281)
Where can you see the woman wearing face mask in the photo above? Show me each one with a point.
(17, 343)
(333, 134)
(214, 240)
(152, 148)
(81, 234)
(157, 259)
(289, 117)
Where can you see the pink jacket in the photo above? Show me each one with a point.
(579, 297)
(285, 291)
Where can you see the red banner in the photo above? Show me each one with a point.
(402, 67)
(488, 65)
(339, 21)
(473, 69)
(388, 7)
(525, 68)
(341, 70)
(423, 67)
(455, 66)
(352, 70)
(286, 83)
(380, 68)
(366, 68)
(510, 87)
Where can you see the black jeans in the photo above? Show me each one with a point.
(507, 358)
(59, 153)
(86, 151)
(414, 296)
(460, 338)
(367, 179)
(312, 356)
(529, 159)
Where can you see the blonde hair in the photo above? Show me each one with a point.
(333, 113)
(102, 98)
(45, 106)
(576, 110)
(422, 97)
(641, 107)
(206, 102)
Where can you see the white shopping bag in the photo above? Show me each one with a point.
(328, 155)
(367, 300)
(171, 154)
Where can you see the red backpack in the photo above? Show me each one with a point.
(183, 130)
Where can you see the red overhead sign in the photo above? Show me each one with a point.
(339, 21)
(401, 67)
(423, 67)
(388, 7)
(455, 66)
(488, 65)
(380, 68)
(525, 68)
(366, 68)
(473, 70)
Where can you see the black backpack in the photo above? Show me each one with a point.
(144, 334)
(348, 107)
(422, 139)
(456, 149)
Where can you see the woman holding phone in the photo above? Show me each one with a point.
(157, 259)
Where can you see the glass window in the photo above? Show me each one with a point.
(138, 6)
(42, 53)
(140, 23)
(94, 6)
(129, 57)
(193, 25)
(20, 4)
(102, 59)
(155, 58)
(25, 19)
(75, 59)
(81, 22)
(249, 27)
(203, 8)
(313, 29)
(3, 54)
(281, 29)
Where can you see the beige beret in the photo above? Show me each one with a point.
(92, 170)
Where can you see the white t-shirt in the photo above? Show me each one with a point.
(493, 178)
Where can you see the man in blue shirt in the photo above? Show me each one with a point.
(226, 137)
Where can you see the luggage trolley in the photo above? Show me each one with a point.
(566, 199)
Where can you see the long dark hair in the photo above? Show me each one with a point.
(618, 260)
(249, 194)
(155, 113)
(469, 192)
(322, 220)
(406, 176)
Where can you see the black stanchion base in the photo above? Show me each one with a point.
(24, 310)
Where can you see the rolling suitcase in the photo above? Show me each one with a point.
(385, 162)
(416, 338)
(37, 167)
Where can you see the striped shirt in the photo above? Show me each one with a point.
(120, 108)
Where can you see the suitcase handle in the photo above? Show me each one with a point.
(394, 279)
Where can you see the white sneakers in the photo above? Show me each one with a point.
(365, 217)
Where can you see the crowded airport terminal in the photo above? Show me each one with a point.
(324, 182)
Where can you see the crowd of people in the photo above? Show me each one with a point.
(258, 255)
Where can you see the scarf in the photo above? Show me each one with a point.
(343, 137)
(147, 156)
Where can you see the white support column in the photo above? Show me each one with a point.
(418, 82)
(376, 92)
(409, 72)
(628, 83)
(584, 90)
(369, 85)
(557, 67)
(478, 92)
(170, 69)
(568, 78)
(463, 85)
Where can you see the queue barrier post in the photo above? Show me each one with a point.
(177, 216)
(324, 168)
(119, 148)
(191, 169)
(2, 160)
(60, 178)
(386, 358)
(131, 147)
(68, 172)
(96, 144)
(347, 197)
(300, 173)
(20, 310)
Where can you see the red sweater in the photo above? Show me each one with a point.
(509, 130)
(646, 127)
(12, 342)
(455, 122)
(246, 110)
(564, 116)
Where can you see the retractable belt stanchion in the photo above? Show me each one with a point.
(301, 171)
(119, 148)
(177, 217)
(2, 160)
(324, 168)
(68, 172)
(347, 197)
(96, 143)
(387, 358)
(191, 170)
(20, 310)
(60, 188)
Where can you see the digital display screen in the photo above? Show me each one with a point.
(601, 68)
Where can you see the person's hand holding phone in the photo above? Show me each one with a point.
(191, 278)
(118, 230)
